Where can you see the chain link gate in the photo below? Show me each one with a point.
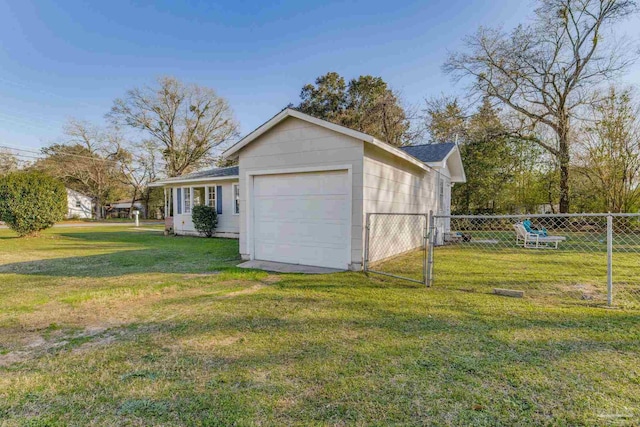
(398, 245)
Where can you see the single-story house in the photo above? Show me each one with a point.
(78, 205)
(303, 187)
(121, 208)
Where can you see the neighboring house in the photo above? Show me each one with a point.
(78, 205)
(121, 208)
(303, 186)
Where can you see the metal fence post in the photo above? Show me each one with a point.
(425, 249)
(366, 243)
(609, 259)
(429, 272)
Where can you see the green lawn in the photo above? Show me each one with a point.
(573, 274)
(110, 326)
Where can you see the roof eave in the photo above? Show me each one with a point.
(184, 181)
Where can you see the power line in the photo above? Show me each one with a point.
(58, 153)
(42, 92)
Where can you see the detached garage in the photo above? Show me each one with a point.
(303, 186)
(306, 185)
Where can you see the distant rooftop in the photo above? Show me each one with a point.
(208, 173)
(429, 153)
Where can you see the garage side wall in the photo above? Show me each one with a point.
(296, 144)
(392, 185)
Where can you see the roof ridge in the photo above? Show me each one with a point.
(424, 145)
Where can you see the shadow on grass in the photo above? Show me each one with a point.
(125, 262)
(129, 252)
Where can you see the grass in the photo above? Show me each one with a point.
(109, 326)
(576, 273)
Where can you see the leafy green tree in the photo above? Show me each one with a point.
(366, 104)
(31, 201)
(487, 154)
(204, 219)
(446, 121)
(326, 99)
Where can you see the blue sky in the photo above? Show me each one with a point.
(62, 59)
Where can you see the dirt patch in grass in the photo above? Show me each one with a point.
(206, 342)
(201, 275)
(35, 344)
(247, 291)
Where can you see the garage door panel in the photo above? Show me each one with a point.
(303, 232)
(303, 208)
(302, 218)
(324, 183)
(311, 255)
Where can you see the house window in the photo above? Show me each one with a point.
(198, 196)
(236, 199)
(78, 204)
(179, 200)
(187, 200)
(441, 197)
(212, 197)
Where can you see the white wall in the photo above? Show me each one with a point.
(392, 185)
(228, 222)
(84, 210)
(296, 144)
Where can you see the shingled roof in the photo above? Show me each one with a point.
(231, 171)
(429, 153)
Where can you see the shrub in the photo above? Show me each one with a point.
(31, 201)
(204, 219)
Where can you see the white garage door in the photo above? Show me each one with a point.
(302, 218)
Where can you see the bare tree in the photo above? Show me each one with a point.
(185, 122)
(85, 161)
(8, 162)
(547, 71)
(137, 164)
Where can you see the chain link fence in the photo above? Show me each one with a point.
(584, 259)
(396, 245)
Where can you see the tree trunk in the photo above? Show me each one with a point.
(98, 210)
(564, 159)
(133, 202)
(147, 196)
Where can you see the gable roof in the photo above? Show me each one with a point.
(430, 153)
(289, 112)
(229, 172)
(440, 156)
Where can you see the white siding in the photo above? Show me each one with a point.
(392, 185)
(228, 222)
(78, 205)
(296, 144)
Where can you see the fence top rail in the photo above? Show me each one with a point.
(516, 216)
(398, 213)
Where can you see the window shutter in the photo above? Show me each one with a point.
(179, 197)
(219, 199)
